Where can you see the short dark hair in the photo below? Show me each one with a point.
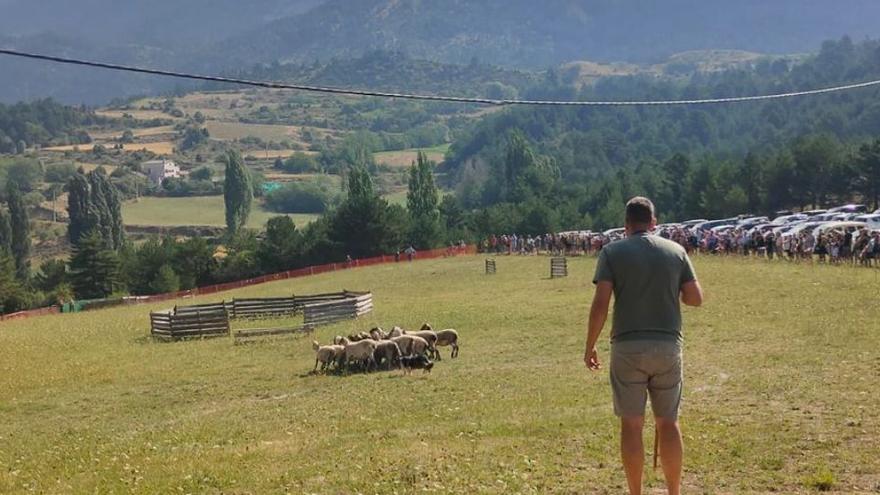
(639, 211)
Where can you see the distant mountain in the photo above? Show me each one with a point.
(526, 33)
(213, 36)
(163, 23)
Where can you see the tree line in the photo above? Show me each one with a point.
(42, 122)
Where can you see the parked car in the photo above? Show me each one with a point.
(709, 225)
(691, 223)
(813, 213)
(849, 209)
(872, 221)
(785, 219)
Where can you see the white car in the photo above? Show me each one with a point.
(872, 221)
(786, 219)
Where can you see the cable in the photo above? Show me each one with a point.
(456, 99)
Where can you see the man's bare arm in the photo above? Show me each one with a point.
(598, 316)
(692, 293)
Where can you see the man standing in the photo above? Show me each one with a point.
(647, 275)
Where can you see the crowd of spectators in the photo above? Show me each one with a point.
(847, 244)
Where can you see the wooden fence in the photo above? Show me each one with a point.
(558, 267)
(271, 307)
(353, 305)
(490, 267)
(190, 323)
(250, 334)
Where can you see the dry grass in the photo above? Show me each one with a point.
(779, 392)
(405, 158)
(159, 148)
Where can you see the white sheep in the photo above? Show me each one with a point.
(431, 338)
(326, 355)
(358, 352)
(411, 345)
(448, 337)
(396, 332)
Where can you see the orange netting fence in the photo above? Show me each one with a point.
(302, 272)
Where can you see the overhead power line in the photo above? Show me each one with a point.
(423, 97)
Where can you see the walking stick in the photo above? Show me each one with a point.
(656, 442)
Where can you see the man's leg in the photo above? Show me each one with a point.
(632, 451)
(671, 452)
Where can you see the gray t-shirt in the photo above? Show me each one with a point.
(647, 272)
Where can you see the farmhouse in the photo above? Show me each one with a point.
(159, 170)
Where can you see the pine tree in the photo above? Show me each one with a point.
(422, 201)
(12, 294)
(21, 231)
(94, 269)
(364, 225)
(238, 194)
(5, 233)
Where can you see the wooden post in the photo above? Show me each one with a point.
(558, 267)
(490, 267)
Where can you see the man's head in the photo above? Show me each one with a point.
(640, 215)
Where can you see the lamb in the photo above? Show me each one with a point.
(387, 352)
(358, 352)
(326, 355)
(411, 345)
(445, 337)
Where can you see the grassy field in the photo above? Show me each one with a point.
(205, 210)
(781, 368)
(405, 158)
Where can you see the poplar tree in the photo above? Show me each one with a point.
(422, 202)
(238, 193)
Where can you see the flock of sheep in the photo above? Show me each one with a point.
(378, 349)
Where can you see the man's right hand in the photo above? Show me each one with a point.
(591, 359)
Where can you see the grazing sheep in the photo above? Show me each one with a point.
(411, 345)
(410, 363)
(396, 332)
(426, 326)
(387, 353)
(326, 355)
(360, 352)
(431, 338)
(448, 337)
(357, 337)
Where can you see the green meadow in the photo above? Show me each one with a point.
(781, 369)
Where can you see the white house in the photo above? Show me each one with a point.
(159, 170)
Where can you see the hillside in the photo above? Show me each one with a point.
(528, 34)
(108, 410)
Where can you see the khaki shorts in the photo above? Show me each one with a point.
(645, 367)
